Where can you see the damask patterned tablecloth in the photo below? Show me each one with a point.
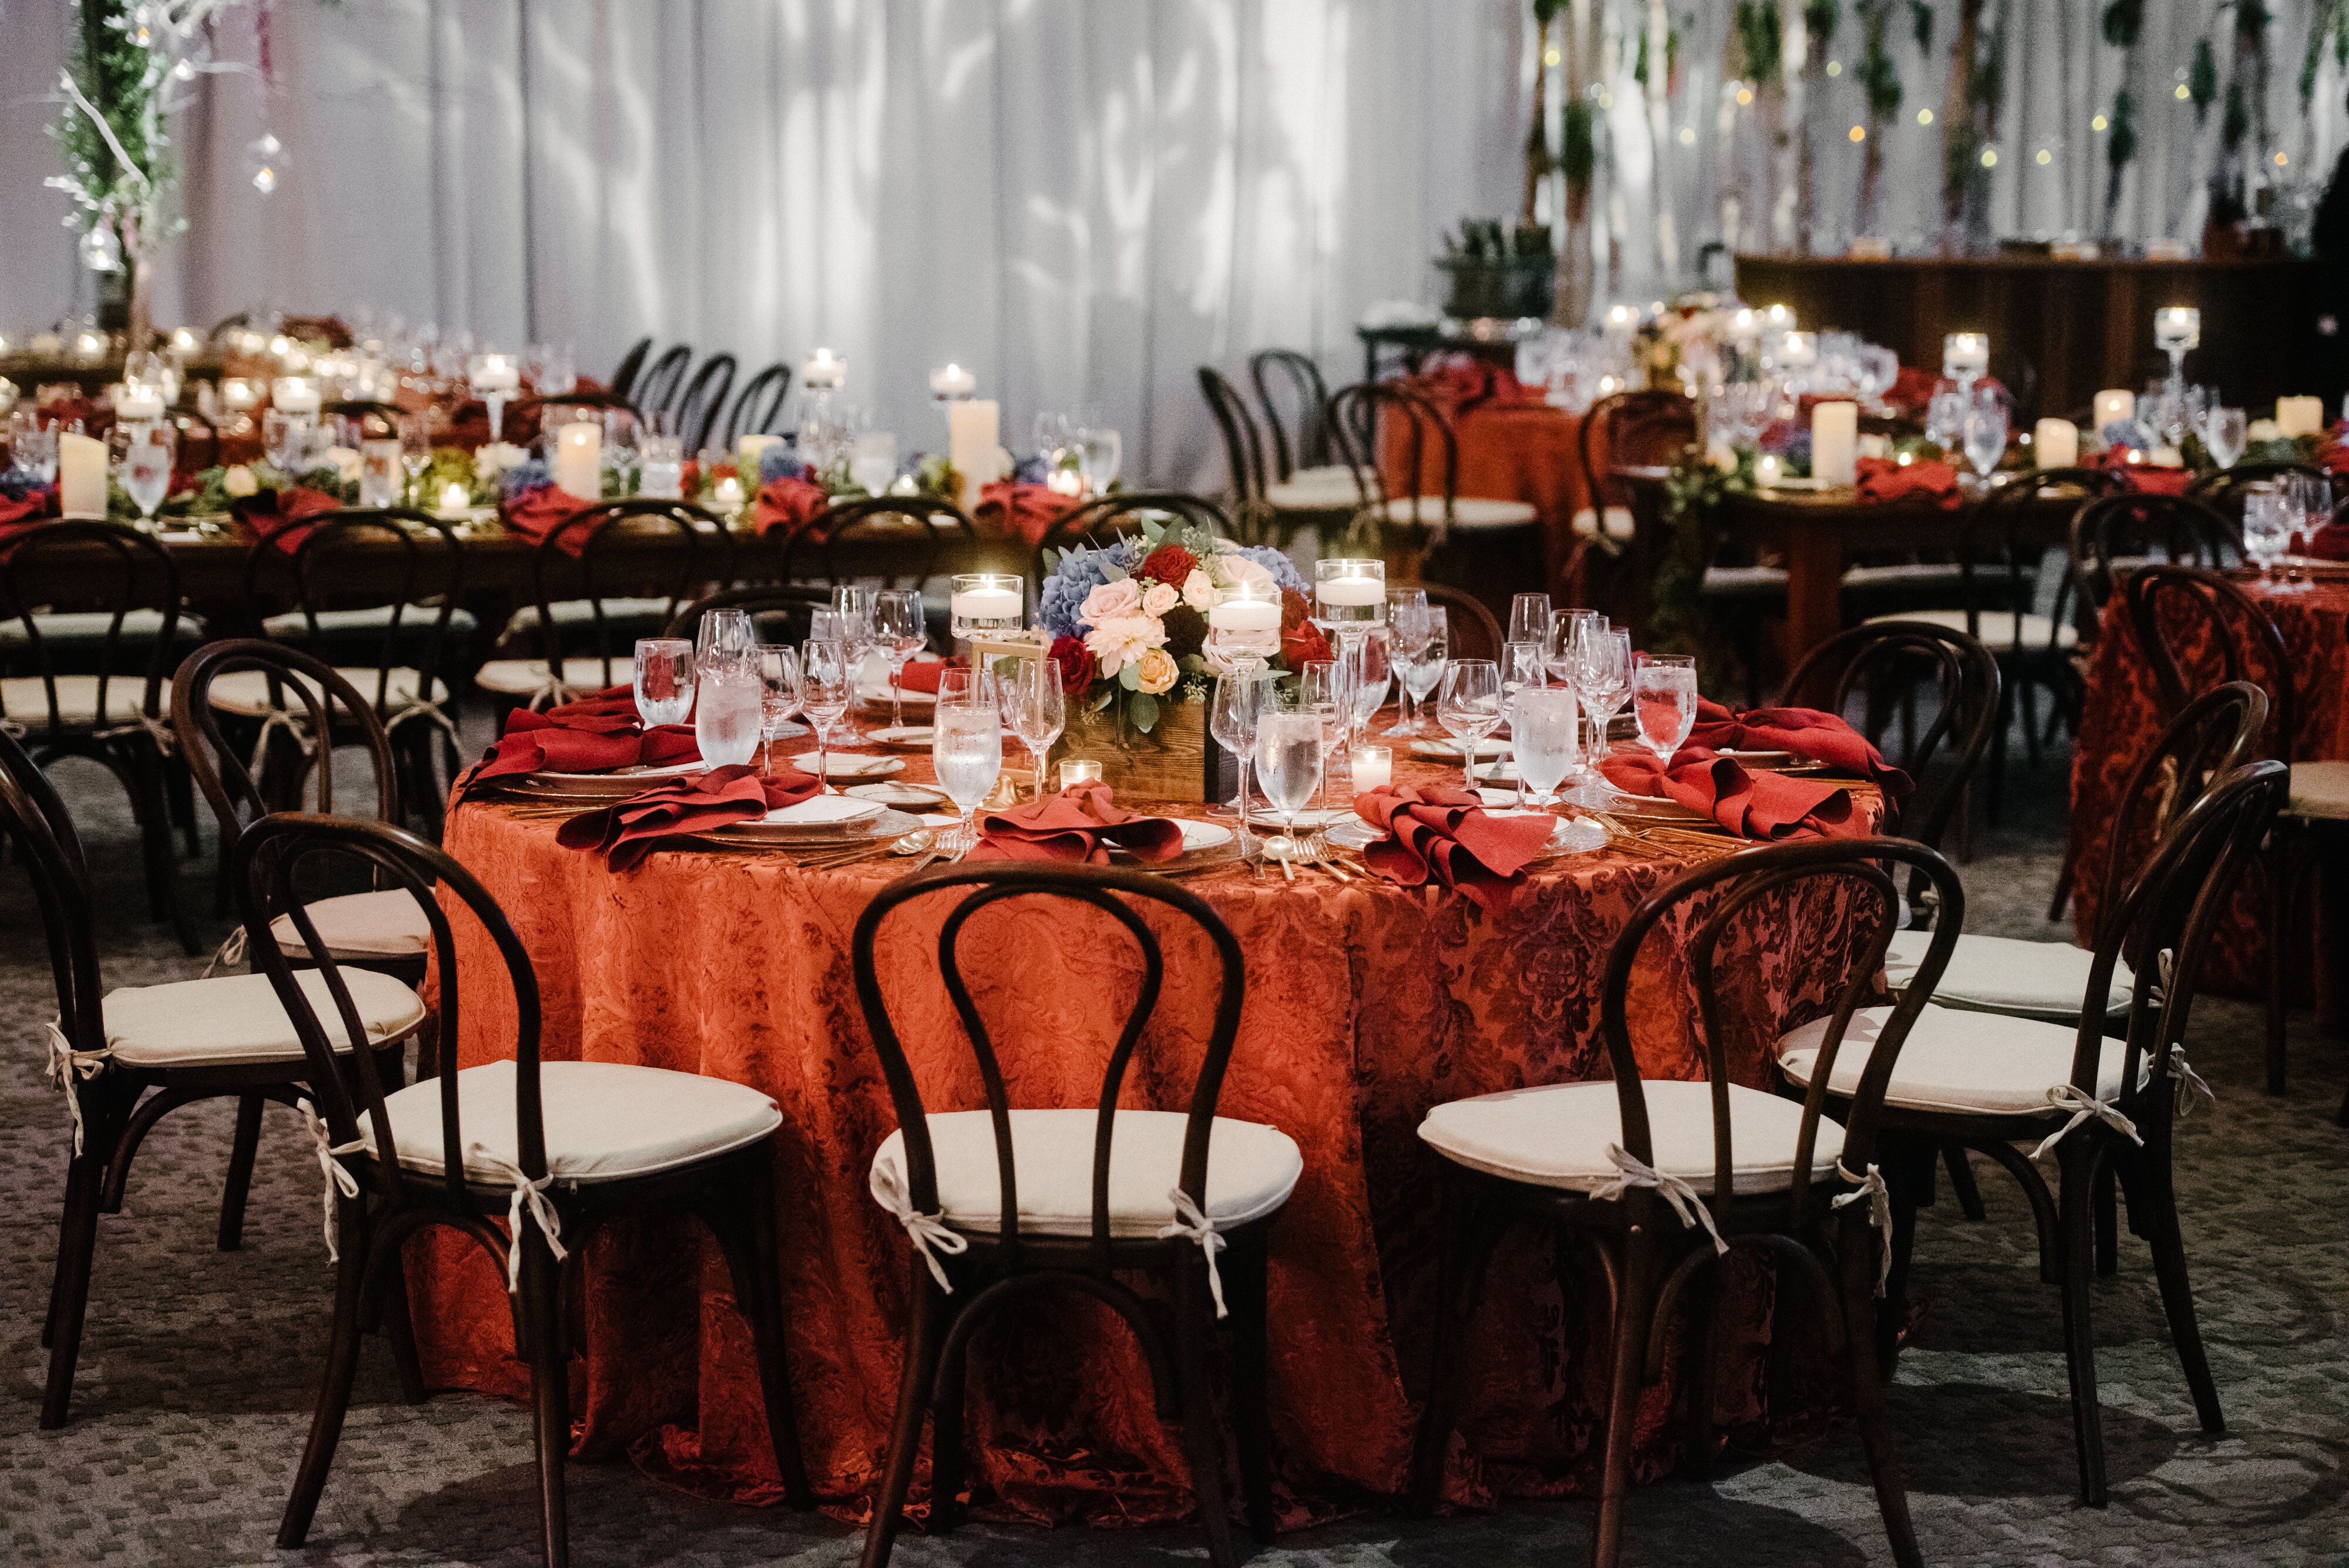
(2122, 721)
(1514, 446)
(1366, 1005)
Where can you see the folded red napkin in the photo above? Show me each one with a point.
(791, 504)
(1881, 479)
(1447, 834)
(1077, 825)
(596, 733)
(1021, 511)
(2155, 479)
(1806, 732)
(36, 506)
(1749, 803)
(2329, 543)
(278, 515)
(534, 513)
(922, 675)
(626, 833)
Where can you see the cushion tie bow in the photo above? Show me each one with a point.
(1189, 1220)
(66, 1064)
(928, 1233)
(1631, 1172)
(1879, 1212)
(2083, 1108)
(528, 1196)
(338, 1178)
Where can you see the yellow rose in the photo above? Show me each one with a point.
(1158, 672)
(239, 482)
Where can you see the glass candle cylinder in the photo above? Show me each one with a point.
(987, 604)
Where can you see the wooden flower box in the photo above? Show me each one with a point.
(1177, 761)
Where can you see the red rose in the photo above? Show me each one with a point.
(1078, 669)
(1168, 564)
(1301, 642)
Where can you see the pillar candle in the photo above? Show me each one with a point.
(2056, 443)
(2299, 416)
(1834, 443)
(81, 475)
(974, 434)
(750, 450)
(579, 459)
(135, 404)
(2114, 405)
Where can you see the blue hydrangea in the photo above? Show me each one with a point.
(16, 484)
(1079, 571)
(1284, 570)
(781, 461)
(525, 477)
(2126, 433)
(1032, 470)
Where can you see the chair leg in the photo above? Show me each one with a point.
(2108, 1223)
(929, 1328)
(335, 1385)
(399, 1331)
(2279, 936)
(1202, 1440)
(2064, 881)
(550, 1387)
(70, 1294)
(1628, 1360)
(1250, 1287)
(1909, 1177)
(1470, 1229)
(950, 1444)
(767, 1326)
(1700, 1438)
(1861, 1308)
(1961, 1182)
(2155, 1190)
(240, 1172)
(154, 812)
(2077, 1158)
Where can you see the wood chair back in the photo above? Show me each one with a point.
(2222, 490)
(632, 363)
(1995, 536)
(35, 819)
(2197, 630)
(657, 387)
(909, 534)
(2219, 731)
(1360, 416)
(759, 409)
(780, 612)
(1301, 387)
(2111, 534)
(1639, 429)
(704, 403)
(393, 558)
(614, 548)
(113, 570)
(1114, 516)
(326, 704)
(1243, 442)
(1474, 629)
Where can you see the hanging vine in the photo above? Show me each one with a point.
(2124, 23)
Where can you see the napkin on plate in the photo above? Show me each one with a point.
(1749, 803)
(1076, 826)
(1806, 731)
(19, 512)
(922, 675)
(594, 734)
(628, 831)
(1446, 834)
(1881, 479)
(281, 516)
(790, 504)
(540, 510)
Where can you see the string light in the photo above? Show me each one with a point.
(1924, 117)
(1990, 158)
(1834, 68)
(2045, 157)
(2099, 123)
(1859, 133)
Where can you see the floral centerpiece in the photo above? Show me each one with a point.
(1681, 342)
(1128, 620)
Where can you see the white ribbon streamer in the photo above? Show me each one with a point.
(551, 692)
(232, 953)
(1630, 1173)
(2188, 1083)
(66, 1064)
(528, 1196)
(2083, 1108)
(421, 707)
(338, 1179)
(928, 1231)
(1879, 1212)
(276, 719)
(1190, 1222)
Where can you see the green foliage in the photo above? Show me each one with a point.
(2121, 146)
(1821, 18)
(1920, 20)
(2237, 120)
(2124, 20)
(2202, 79)
(1672, 56)
(1878, 77)
(1760, 39)
(1546, 11)
(1141, 709)
(114, 71)
(1577, 152)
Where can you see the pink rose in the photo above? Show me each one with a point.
(1112, 601)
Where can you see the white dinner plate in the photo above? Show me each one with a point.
(913, 737)
(1196, 836)
(850, 765)
(874, 690)
(1449, 751)
(896, 792)
(614, 784)
(1652, 808)
(823, 811)
(1572, 836)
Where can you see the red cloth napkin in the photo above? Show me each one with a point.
(536, 514)
(791, 504)
(1021, 511)
(595, 733)
(278, 515)
(1076, 826)
(922, 675)
(1881, 479)
(2329, 543)
(38, 506)
(626, 833)
(1446, 834)
(2156, 480)
(1750, 805)
(1806, 732)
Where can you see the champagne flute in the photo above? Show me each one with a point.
(967, 747)
(1663, 703)
(852, 606)
(897, 632)
(1470, 709)
(1985, 432)
(1321, 692)
(664, 683)
(1037, 708)
(1289, 751)
(779, 693)
(827, 680)
(1240, 702)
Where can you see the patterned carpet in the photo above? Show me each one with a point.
(196, 1376)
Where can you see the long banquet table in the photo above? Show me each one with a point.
(1366, 1005)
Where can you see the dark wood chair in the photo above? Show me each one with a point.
(1627, 441)
(780, 612)
(981, 1243)
(377, 419)
(1243, 441)
(758, 407)
(126, 1058)
(1113, 516)
(541, 1145)
(1307, 395)
(91, 680)
(1990, 1081)
(903, 541)
(1663, 1179)
(624, 375)
(2222, 490)
(1474, 629)
(655, 389)
(703, 403)
(2112, 534)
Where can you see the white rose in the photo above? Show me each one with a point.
(2263, 430)
(1124, 640)
(1198, 592)
(344, 461)
(239, 482)
(1111, 601)
(1723, 456)
(1239, 570)
(488, 461)
(1159, 600)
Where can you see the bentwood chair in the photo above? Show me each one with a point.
(758, 407)
(92, 681)
(2114, 534)
(1270, 510)
(624, 375)
(127, 1057)
(2198, 629)
(1364, 416)
(555, 1149)
(704, 402)
(657, 387)
(902, 541)
(1003, 1204)
(589, 577)
(2222, 491)
(780, 612)
(1475, 629)
(1307, 454)
(1108, 517)
(1624, 1166)
(1627, 441)
(1989, 1081)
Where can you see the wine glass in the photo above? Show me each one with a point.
(1037, 709)
(1099, 455)
(1528, 617)
(1372, 679)
(1663, 703)
(1945, 417)
(2267, 529)
(415, 451)
(897, 633)
(1239, 700)
(32, 446)
(664, 681)
(852, 606)
(2225, 433)
(285, 440)
(729, 712)
(1470, 709)
(779, 693)
(1423, 671)
(1545, 733)
(1321, 692)
(873, 461)
(724, 637)
(1985, 431)
(966, 748)
(827, 680)
(1410, 628)
(147, 468)
(1054, 433)
(1522, 669)
(1289, 747)
(1601, 678)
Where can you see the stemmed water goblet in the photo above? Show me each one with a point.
(415, 453)
(1663, 703)
(664, 681)
(1522, 670)
(146, 469)
(852, 606)
(1289, 746)
(1241, 699)
(779, 694)
(1544, 734)
(1601, 678)
(1421, 671)
(827, 680)
(1984, 432)
(1321, 692)
(897, 632)
(2225, 433)
(2267, 529)
(967, 747)
(1036, 707)
(1469, 708)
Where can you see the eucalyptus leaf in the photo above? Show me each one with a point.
(1142, 710)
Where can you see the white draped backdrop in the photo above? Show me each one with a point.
(1081, 200)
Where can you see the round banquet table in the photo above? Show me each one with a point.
(1514, 446)
(1366, 1005)
(2122, 719)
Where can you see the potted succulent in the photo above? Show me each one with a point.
(1497, 272)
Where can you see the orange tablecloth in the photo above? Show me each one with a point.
(1366, 1005)
(1513, 447)
(2122, 721)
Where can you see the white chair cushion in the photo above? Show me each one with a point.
(237, 1018)
(25, 700)
(2002, 974)
(1721, 582)
(604, 1120)
(388, 923)
(291, 625)
(1997, 627)
(1988, 1064)
(1251, 1170)
(1557, 1135)
(1906, 574)
(2317, 789)
(245, 692)
(1617, 521)
(1468, 512)
(581, 612)
(1315, 490)
(87, 629)
(524, 676)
